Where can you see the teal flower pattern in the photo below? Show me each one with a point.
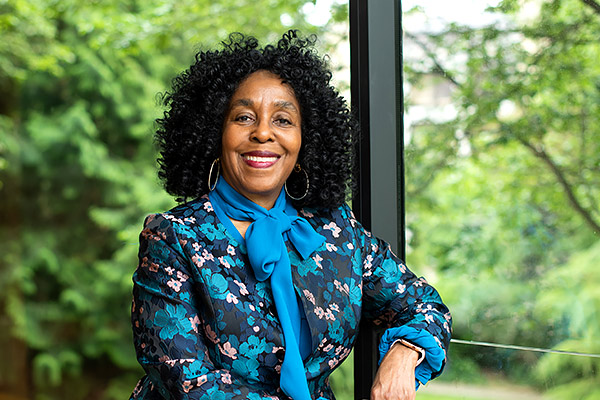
(205, 328)
(172, 321)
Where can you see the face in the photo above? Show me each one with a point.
(261, 137)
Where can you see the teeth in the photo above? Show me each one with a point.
(261, 159)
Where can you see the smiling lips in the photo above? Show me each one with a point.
(260, 159)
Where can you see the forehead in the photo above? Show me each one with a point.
(264, 83)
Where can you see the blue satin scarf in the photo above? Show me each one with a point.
(267, 252)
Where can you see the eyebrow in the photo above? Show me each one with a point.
(280, 104)
(286, 105)
(242, 102)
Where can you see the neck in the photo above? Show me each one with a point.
(264, 199)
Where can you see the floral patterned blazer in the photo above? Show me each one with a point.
(205, 328)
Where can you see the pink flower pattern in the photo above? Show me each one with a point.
(332, 226)
(231, 250)
(175, 285)
(195, 321)
(231, 326)
(228, 350)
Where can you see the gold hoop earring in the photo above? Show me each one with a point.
(218, 162)
(297, 169)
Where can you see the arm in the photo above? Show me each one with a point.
(396, 374)
(168, 334)
(410, 309)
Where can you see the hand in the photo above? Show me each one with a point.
(395, 378)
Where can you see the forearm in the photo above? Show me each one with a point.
(396, 375)
(407, 306)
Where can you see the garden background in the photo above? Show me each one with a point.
(502, 146)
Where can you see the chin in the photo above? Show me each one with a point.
(263, 187)
(264, 191)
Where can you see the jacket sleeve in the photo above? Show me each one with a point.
(405, 305)
(169, 338)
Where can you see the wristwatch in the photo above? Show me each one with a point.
(411, 346)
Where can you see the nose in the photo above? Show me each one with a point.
(263, 131)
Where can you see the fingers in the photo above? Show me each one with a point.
(381, 392)
(392, 384)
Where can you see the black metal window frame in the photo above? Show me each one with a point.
(377, 98)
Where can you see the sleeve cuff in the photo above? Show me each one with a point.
(434, 354)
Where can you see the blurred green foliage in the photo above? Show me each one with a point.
(79, 85)
(502, 206)
(503, 194)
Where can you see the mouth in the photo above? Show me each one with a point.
(260, 159)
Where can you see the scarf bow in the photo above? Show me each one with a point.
(268, 255)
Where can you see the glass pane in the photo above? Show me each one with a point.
(502, 146)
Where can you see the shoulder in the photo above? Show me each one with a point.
(186, 217)
(189, 228)
(317, 215)
(342, 215)
(189, 212)
(336, 221)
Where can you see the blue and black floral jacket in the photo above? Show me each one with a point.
(205, 328)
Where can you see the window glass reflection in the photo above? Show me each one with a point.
(502, 148)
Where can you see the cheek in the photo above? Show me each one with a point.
(227, 155)
(225, 141)
(229, 141)
(296, 143)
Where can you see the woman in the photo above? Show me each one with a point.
(255, 288)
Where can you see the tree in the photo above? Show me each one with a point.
(79, 84)
(503, 194)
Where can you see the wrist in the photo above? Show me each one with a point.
(418, 350)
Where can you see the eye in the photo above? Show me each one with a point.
(243, 118)
(283, 122)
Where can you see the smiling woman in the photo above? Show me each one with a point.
(256, 287)
(261, 137)
(190, 134)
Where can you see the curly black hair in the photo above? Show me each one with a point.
(189, 134)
